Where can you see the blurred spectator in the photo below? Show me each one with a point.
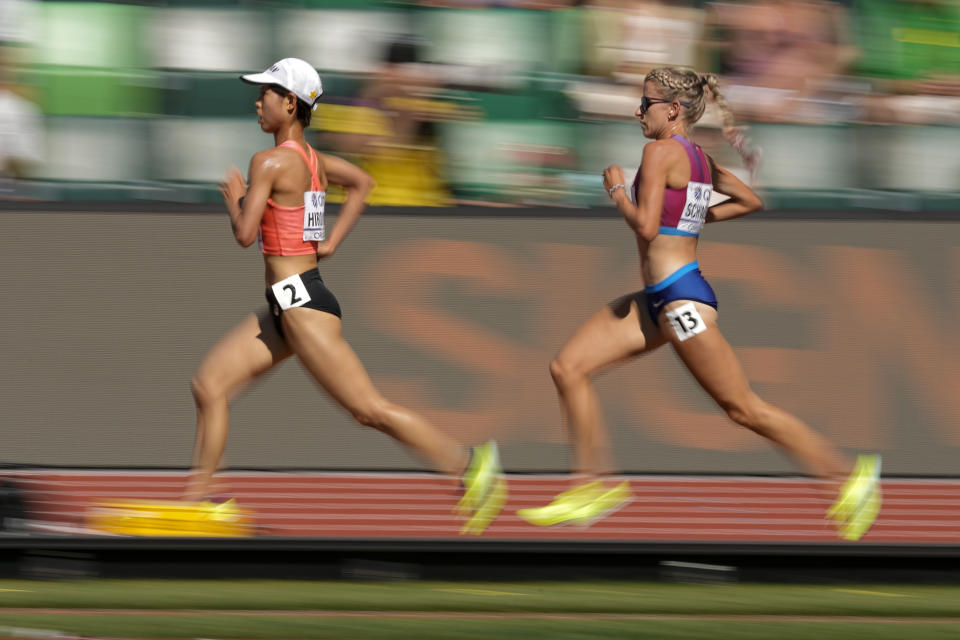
(390, 132)
(654, 34)
(493, 4)
(21, 123)
(622, 41)
(17, 21)
(911, 53)
(780, 59)
(627, 38)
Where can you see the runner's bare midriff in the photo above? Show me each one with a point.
(663, 255)
(276, 268)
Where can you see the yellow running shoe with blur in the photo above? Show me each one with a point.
(484, 489)
(863, 518)
(610, 499)
(564, 507)
(857, 508)
(488, 510)
(582, 505)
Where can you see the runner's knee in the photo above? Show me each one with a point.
(564, 373)
(748, 411)
(374, 414)
(205, 391)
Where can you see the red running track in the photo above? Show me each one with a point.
(419, 505)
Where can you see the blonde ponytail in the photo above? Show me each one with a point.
(732, 133)
(686, 85)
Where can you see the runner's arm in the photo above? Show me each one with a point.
(644, 216)
(358, 185)
(247, 204)
(742, 200)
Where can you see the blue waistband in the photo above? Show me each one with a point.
(673, 231)
(673, 277)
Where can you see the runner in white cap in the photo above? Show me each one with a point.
(294, 75)
(283, 207)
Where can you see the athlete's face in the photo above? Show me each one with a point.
(272, 109)
(655, 111)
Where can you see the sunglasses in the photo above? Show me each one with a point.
(645, 103)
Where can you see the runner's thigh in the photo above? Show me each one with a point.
(246, 351)
(317, 339)
(620, 330)
(692, 329)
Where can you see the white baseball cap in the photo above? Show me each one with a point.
(294, 75)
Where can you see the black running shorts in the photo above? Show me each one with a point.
(302, 290)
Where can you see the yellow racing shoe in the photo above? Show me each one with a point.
(857, 508)
(583, 505)
(220, 511)
(484, 489)
(610, 499)
(488, 510)
(863, 519)
(564, 508)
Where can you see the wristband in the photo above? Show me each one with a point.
(614, 188)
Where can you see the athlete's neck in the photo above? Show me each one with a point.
(292, 131)
(674, 130)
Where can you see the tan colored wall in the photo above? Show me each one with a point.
(849, 324)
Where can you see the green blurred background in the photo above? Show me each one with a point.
(854, 104)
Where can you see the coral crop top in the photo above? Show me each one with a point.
(295, 231)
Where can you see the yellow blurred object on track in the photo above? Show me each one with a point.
(171, 518)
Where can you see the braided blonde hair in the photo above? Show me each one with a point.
(686, 85)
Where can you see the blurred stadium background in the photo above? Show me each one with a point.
(855, 103)
(486, 126)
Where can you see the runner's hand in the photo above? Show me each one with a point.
(325, 249)
(612, 175)
(233, 187)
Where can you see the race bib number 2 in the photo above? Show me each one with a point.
(313, 230)
(686, 321)
(291, 292)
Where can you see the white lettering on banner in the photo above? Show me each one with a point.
(313, 203)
